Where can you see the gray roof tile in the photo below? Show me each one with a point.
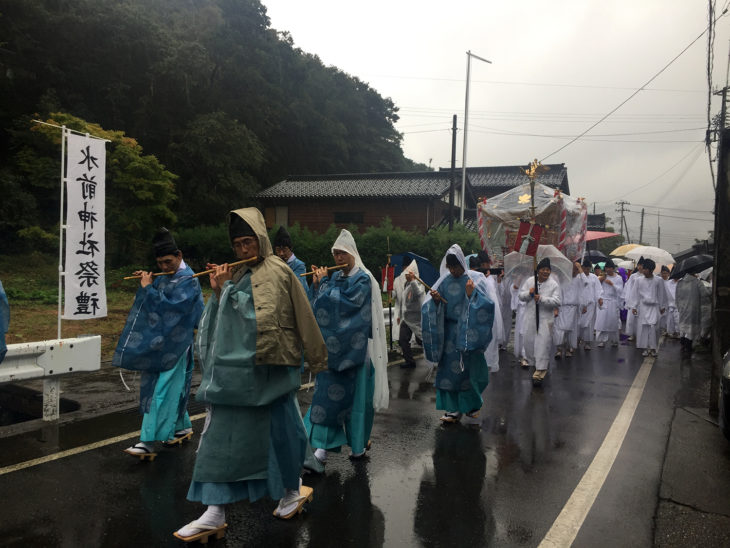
(430, 184)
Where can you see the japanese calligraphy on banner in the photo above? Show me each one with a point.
(85, 287)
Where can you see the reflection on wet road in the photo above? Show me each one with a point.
(500, 480)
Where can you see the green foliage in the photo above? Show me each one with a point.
(40, 296)
(204, 244)
(314, 248)
(37, 239)
(139, 190)
(229, 104)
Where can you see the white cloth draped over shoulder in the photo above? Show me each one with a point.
(480, 281)
(377, 346)
(399, 286)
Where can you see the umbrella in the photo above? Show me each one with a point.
(594, 256)
(599, 235)
(623, 250)
(426, 270)
(693, 265)
(628, 265)
(656, 254)
(519, 265)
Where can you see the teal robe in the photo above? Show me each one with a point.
(342, 405)
(157, 340)
(455, 335)
(254, 442)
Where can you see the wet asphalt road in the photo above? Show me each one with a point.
(500, 481)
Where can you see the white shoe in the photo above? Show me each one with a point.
(601, 345)
(645, 353)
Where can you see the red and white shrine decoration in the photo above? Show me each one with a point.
(560, 220)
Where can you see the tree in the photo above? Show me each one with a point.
(139, 190)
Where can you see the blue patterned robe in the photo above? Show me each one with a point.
(298, 267)
(158, 341)
(342, 404)
(455, 335)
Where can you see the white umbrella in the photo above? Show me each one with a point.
(519, 266)
(656, 254)
(628, 265)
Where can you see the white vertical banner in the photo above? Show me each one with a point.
(84, 278)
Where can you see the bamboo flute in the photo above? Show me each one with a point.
(154, 274)
(429, 288)
(244, 261)
(328, 269)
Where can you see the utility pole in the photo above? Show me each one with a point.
(641, 227)
(469, 55)
(622, 204)
(658, 230)
(453, 174)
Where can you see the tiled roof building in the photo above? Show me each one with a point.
(417, 200)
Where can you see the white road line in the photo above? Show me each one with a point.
(571, 518)
(76, 450)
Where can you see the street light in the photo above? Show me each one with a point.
(469, 55)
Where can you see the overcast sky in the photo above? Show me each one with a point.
(557, 68)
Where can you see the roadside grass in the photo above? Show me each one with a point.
(31, 284)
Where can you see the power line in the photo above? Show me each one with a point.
(676, 217)
(633, 94)
(518, 83)
(662, 208)
(508, 132)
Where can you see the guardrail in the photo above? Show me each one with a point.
(49, 360)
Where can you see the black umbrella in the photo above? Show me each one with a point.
(594, 256)
(693, 265)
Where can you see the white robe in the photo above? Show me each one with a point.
(607, 315)
(505, 305)
(589, 302)
(566, 324)
(630, 328)
(491, 354)
(672, 316)
(539, 341)
(399, 285)
(648, 297)
(519, 307)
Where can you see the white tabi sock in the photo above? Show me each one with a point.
(320, 455)
(212, 518)
(289, 501)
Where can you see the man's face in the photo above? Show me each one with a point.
(343, 257)
(586, 270)
(543, 274)
(486, 265)
(246, 247)
(609, 271)
(665, 275)
(283, 252)
(456, 271)
(169, 263)
(648, 273)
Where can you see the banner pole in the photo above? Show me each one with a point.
(61, 227)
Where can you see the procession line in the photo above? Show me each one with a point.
(76, 450)
(571, 518)
(96, 445)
